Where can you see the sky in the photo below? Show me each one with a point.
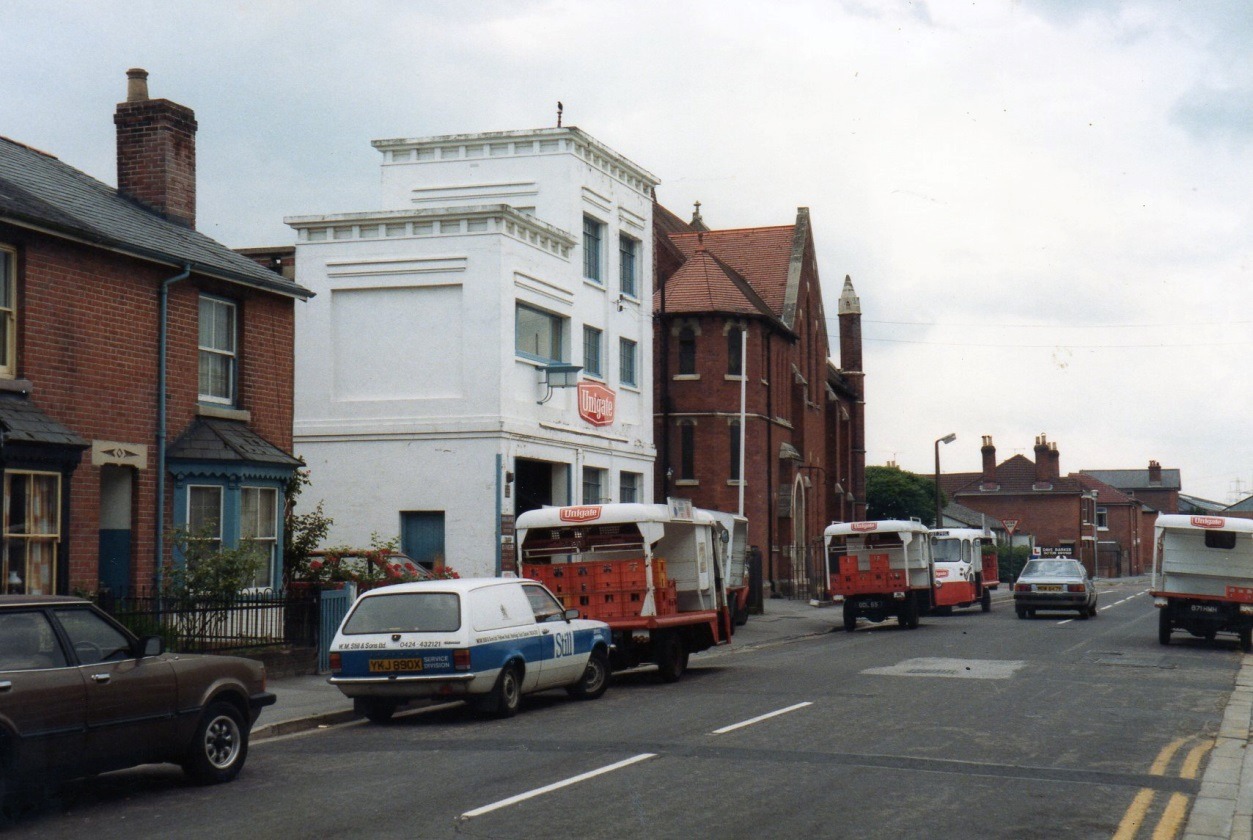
(1045, 205)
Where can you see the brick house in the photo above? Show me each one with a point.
(108, 298)
(804, 449)
(1068, 514)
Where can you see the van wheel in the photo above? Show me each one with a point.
(985, 601)
(671, 657)
(506, 695)
(850, 617)
(1246, 639)
(595, 678)
(219, 747)
(1163, 627)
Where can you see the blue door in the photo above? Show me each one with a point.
(422, 535)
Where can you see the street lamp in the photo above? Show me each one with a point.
(949, 438)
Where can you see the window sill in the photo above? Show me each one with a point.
(629, 386)
(735, 482)
(595, 284)
(734, 377)
(221, 412)
(686, 377)
(686, 482)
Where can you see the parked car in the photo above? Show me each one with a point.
(1054, 583)
(485, 640)
(80, 694)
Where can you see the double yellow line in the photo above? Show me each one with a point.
(1177, 808)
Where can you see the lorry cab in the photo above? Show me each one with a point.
(965, 568)
(1203, 577)
(881, 568)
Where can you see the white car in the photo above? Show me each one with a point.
(485, 640)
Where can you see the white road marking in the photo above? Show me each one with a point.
(760, 718)
(573, 780)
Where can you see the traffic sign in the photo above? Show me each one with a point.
(1010, 525)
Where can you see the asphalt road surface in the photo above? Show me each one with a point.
(973, 725)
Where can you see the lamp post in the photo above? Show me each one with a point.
(949, 438)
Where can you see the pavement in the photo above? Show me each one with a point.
(1223, 807)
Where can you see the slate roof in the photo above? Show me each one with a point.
(707, 284)
(1105, 493)
(25, 422)
(1245, 504)
(38, 191)
(1137, 479)
(971, 517)
(212, 439)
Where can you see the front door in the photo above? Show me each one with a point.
(115, 529)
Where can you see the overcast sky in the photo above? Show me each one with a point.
(1044, 204)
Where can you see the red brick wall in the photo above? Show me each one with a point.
(88, 342)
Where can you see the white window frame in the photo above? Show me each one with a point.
(192, 528)
(597, 488)
(8, 312)
(636, 487)
(49, 538)
(217, 352)
(1102, 518)
(265, 576)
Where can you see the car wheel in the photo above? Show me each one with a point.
(506, 695)
(1021, 611)
(850, 618)
(1092, 610)
(1084, 614)
(595, 677)
(1246, 639)
(378, 711)
(985, 601)
(1163, 627)
(220, 746)
(671, 657)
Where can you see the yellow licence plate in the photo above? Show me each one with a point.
(391, 666)
(1047, 587)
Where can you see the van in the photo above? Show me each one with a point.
(484, 640)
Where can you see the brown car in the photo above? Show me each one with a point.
(79, 694)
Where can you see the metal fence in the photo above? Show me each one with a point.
(248, 621)
(802, 572)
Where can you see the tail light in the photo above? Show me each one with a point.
(1022, 587)
(461, 659)
(1074, 587)
(337, 663)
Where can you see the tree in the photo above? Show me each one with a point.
(302, 532)
(893, 493)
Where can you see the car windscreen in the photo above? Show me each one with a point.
(947, 551)
(406, 612)
(1052, 568)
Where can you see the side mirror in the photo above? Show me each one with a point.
(151, 646)
(571, 614)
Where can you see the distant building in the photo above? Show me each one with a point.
(481, 345)
(145, 369)
(1156, 487)
(719, 292)
(1075, 514)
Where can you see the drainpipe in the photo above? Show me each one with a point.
(162, 340)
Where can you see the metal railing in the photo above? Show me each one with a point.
(248, 621)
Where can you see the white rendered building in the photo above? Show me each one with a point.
(421, 404)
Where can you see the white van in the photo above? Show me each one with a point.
(485, 640)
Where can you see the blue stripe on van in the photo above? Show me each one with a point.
(485, 657)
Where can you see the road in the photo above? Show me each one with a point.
(972, 725)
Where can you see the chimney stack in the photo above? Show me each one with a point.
(1055, 462)
(988, 451)
(1155, 474)
(1043, 469)
(156, 151)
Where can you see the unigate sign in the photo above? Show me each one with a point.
(596, 403)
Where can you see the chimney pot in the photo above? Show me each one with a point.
(989, 463)
(136, 85)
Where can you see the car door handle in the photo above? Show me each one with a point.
(546, 632)
(5, 685)
(100, 678)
